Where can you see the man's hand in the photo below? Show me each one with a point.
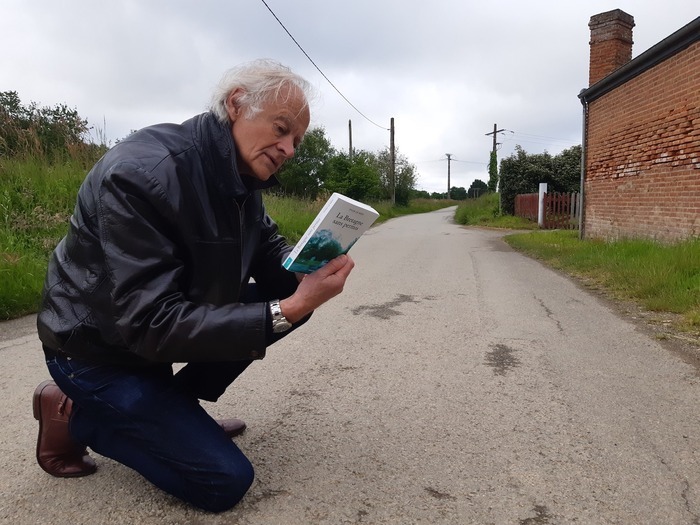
(317, 288)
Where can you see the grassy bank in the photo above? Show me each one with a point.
(657, 277)
(37, 199)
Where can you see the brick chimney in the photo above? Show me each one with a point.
(611, 43)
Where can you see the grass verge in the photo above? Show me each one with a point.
(658, 277)
(36, 200)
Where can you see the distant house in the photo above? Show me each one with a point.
(641, 168)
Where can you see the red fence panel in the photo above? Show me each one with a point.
(526, 206)
(561, 210)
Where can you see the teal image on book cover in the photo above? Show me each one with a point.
(322, 247)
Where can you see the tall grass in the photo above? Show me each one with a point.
(36, 200)
(292, 215)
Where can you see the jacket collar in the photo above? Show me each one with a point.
(215, 143)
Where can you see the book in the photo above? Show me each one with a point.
(336, 228)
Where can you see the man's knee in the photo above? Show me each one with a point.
(222, 490)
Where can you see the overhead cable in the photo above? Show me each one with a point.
(319, 69)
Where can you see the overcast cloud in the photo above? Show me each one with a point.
(446, 70)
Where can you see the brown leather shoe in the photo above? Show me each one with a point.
(56, 451)
(232, 427)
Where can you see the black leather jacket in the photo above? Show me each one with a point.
(162, 243)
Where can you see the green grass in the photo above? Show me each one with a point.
(484, 211)
(659, 277)
(36, 200)
(292, 215)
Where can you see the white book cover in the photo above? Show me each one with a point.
(333, 232)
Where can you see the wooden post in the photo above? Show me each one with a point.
(540, 207)
(393, 162)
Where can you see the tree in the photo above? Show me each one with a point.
(337, 176)
(303, 174)
(420, 194)
(477, 188)
(405, 176)
(522, 173)
(567, 170)
(358, 178)
(458, 194)
(317, 166)
(48, 131)
(14, 123)
(364, 182)
(60, 128)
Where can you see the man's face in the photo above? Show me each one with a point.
(264, 142)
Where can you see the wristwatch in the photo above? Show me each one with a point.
(279, 321)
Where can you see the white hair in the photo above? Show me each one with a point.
(260, 81)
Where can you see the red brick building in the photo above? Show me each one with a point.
(641, 168)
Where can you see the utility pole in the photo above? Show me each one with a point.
(393, 162)
(350, 136)
(449, 158)
(495, 132)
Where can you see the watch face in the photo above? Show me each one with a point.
(281, 326)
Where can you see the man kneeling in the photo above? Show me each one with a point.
(171, 258)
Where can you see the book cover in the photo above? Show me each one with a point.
(336, 228)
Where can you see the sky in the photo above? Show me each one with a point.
(446, 71)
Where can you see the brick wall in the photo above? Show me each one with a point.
(643, 155)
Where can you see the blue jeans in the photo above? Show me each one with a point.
(150, 419)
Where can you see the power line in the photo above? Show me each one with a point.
(540, 138)
(480, 162)
(319, 69)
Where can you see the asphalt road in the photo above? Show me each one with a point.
(453, 382)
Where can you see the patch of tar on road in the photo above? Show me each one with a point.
(501, 359)
(303, 393)
(438, 495)
(542, 516)
(385, 310)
